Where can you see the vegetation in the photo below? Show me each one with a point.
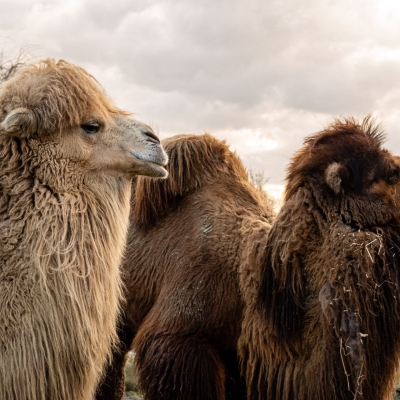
(10, 65)
(259, 180)
(131, 380)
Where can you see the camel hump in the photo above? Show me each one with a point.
(194, 161)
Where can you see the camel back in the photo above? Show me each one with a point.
(194, 161)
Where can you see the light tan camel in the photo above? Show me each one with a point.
(67, 156)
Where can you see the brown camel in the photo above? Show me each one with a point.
(328, 325)
(183, 303)
(67, 159)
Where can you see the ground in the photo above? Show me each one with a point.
(133, 394)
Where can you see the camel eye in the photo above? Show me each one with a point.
(91, 127)
(393, 177)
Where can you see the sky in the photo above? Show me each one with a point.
(260, 74)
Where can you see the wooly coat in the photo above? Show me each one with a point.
(328, 325)
(67, 158)
(183, 301)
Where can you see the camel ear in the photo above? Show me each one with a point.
(334, 176)
(20, 122)
(397, 160)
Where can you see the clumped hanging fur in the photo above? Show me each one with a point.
(63, 226)
(326, 318)
(184, 303)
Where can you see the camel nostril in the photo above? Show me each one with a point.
(152, 136)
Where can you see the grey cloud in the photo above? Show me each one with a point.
(110, 15)
(230, 53)
(11, 12)
(283, 68)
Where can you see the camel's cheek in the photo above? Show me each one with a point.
(396, 194)
(389, 193)
(71, 145)
(101, 151)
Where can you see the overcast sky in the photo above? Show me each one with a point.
(260, 74)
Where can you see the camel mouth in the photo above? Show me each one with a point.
(151, 165)
(160, 159)
(153, 170)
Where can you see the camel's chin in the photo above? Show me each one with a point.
(151, 165)
(154, 171)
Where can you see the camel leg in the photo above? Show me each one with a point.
(112, 386)
(178, 367)
(235, 386)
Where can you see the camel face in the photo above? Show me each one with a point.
(118, 145)
(72, 120)
(376, 181)
(368, 186)
(127, 145)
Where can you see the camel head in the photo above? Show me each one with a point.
(61, 113)
(347, 164)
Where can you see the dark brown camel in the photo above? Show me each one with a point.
(183, 301)
(329, 299)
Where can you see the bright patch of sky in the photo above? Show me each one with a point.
(276, 192)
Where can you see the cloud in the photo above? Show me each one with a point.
(254, 73)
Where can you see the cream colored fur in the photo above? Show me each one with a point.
(64, 206)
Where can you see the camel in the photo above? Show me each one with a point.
(325, 320)
(67, 159)
(183, 306)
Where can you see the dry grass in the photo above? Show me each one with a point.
(9, 65)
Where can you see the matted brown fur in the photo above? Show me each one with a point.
(183, 297)
(329, 326)
(63, 226)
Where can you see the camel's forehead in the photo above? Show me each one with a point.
(357, 148)
(33, 85)
(61, 95)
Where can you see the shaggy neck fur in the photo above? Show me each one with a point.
(330, 298)
(59, 251)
